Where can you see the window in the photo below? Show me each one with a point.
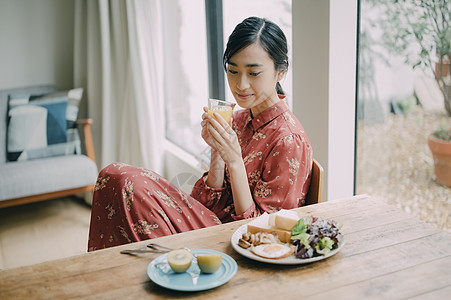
(187, 83)
(186, 79)
(399, 106)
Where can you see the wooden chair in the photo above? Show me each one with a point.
(314, 194)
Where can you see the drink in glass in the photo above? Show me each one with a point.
(224, 108)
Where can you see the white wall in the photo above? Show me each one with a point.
(36, 43)
(324, 64)
(311, 74)
(342, 97)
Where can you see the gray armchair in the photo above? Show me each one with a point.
(44, 178)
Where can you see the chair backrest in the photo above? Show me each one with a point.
(315, 192)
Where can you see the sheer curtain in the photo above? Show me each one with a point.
(118, 60)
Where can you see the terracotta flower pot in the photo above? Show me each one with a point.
(445, 67)
(441, 152)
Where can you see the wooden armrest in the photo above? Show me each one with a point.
(86, 123)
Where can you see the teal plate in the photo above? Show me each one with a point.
(193, 279)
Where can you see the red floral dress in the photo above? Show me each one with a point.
(132, 204)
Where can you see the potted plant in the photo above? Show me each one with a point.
(440, 144)
(419, 30)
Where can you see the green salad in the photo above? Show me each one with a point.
(315, 237)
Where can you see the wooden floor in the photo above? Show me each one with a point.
(43, 231)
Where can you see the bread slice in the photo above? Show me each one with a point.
(280, 222)
(283, 235)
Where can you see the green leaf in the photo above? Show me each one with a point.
(303, 239)
(324, 246)
(299, 228)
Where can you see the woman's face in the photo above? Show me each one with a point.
(252, 78)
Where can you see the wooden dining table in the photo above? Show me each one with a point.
(388, 254)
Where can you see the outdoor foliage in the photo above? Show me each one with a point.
(420, 31)
(443, 134)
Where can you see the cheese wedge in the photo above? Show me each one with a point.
(282, 213)
(283, 219)
(285, 223)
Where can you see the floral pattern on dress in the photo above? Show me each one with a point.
(120, 165)
(301, 200)
(215, 196)
(111, 211)
(289, 118)
(144, 227)
(127, 193)
(294, 166)
(164, 215)
(101, 183)
(216, 220)
(262, 190)
(149, 174)
(228, 208)
(254, 177)
(272, 209)
(184, 198)
(289, 139)
(251, 156)
(258, 135)
(168, 201)
(236, 128)
(124, 233)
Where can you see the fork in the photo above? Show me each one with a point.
(159, 248)
(153, 248)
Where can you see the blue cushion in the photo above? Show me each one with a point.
(43, 125)
(4, 95)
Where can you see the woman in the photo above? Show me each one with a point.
(262, 163)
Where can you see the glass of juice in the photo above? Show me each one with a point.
(224, 108)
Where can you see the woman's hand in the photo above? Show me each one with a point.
(224, 139)
(205, 135)
(224, 142)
